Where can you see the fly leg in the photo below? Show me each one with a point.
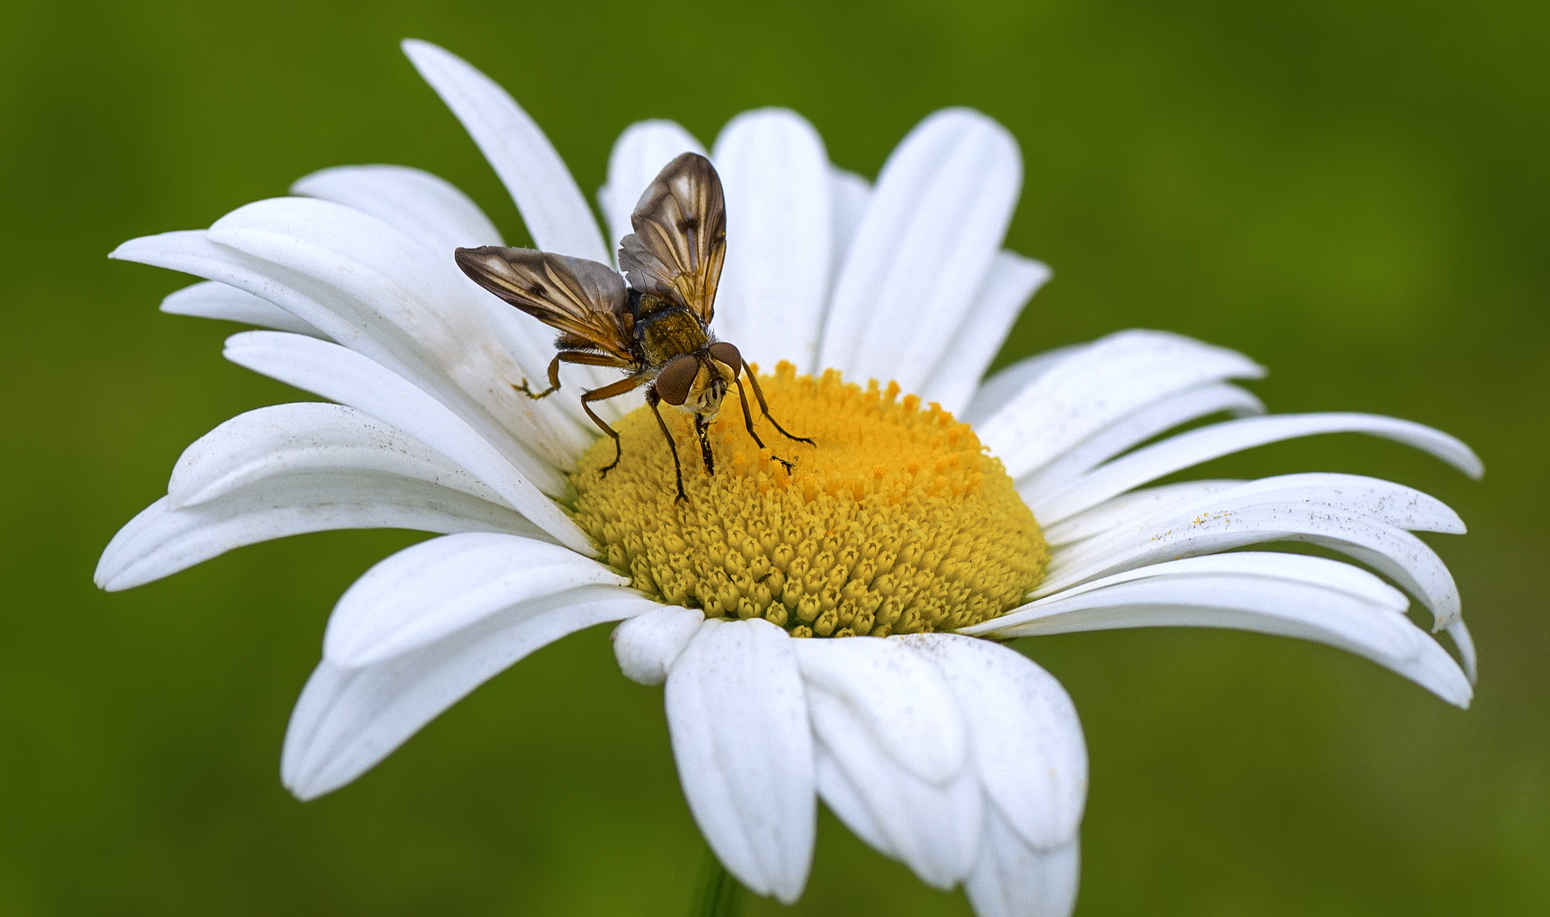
(554, 383)
(765, 408)
(701, 425)
(742, 397)
(678, 471)
(580, 357)
(613, 390)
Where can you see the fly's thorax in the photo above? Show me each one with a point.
(669, 333)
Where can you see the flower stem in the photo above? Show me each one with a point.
(719, 894)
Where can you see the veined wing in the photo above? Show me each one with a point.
(680, 236)
(583, 299)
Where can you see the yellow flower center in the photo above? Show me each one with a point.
(895, 521)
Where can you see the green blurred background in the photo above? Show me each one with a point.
(1354, 194)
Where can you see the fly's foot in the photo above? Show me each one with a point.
(524, 389)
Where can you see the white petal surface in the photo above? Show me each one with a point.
(1007, 382)
(1016, 879)
(1138, 427)
(904, 701)
(217, 300)
(553, 208)
(738, 717)
(415, 306)
(348, 719)
(849, 197)
(1007, 286)
(1098, 386)
(346, 377)
(1025, 739)
(935, 221)
(393, 323)
(848, 804)
(638, 155)
(162, 540)
(1133, 509)
(932, 827)
(426, 592)
(775, 282)
(307, 438)
(1221, 439)
(1283, 594)
(1466, 646)
(420, 205)
(1394, 504)
(647, 645)
(1244, 516)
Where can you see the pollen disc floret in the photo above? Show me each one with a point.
(895, 522)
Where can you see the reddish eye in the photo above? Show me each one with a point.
(674, 380)
(722, 352)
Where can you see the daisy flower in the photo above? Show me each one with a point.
(937, 517)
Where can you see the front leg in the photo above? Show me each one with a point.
(579, 358)
(554, 381)
(626, 384)
(678, 472)
(701, 426)
(765, 407)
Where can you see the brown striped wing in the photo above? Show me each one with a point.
(583, 299)
(680, 236)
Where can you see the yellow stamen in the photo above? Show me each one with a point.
(896, 521)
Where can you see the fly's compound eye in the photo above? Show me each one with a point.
(722, 352)
(676, 378)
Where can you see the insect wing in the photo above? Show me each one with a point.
(680, 236)
(581, 298)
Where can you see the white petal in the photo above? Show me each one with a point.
(161, 540)
(933, 828)
(552, 206)
(349, 719)
(416, 307)
(1138, 427)
(1289, 595)
(738, 718)
(217, 300)
(426, 592)
(1133, 509)
(417, 203)
(647, 645)
(307, 438)
(848, 804)
(776, 279)
(1301, 568)
(1007, 286)
(1098, 386)
(346, 377)
(1025, 738)
(1466, 646)
(849, 197)
(1016, 879)
(363, 327)
(1394, 504)
(1006, 383)
(638, 156)
(900, 697)
(1221, 439)
(1231, 524)
(935, 221)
